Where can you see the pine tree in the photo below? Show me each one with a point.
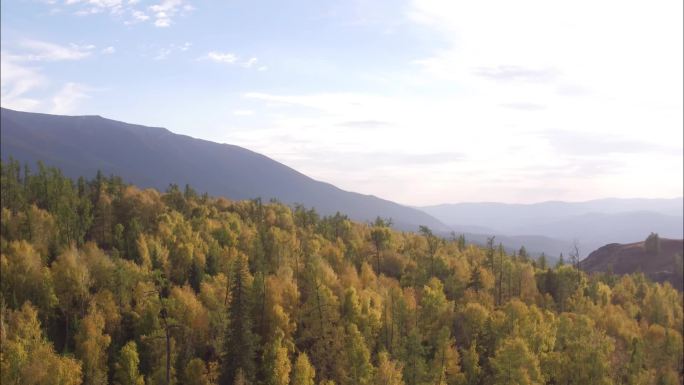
(239, 340)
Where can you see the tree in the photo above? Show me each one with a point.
(303, 373)
(276, 362)
(471, 366)
(461, 242)
(91, 348)
(652, 244)
(475, 279)
(239, 349)
(126, 368)
(27, 358)
(72, 280)
(380, 236)
(542, 263)
(196, 373)
(25, 278)
(388, 371)
(514, 364)
(433, 243)
(360, 370)
(445, 363)
(413, 356)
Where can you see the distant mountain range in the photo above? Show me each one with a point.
(665, 265)
(155, 157)
(592, 223)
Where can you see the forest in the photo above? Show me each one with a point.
(106, 283)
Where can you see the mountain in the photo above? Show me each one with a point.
(592, 223)
(662, 266)
(155, 157)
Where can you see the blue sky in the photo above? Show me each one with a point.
(418, 101)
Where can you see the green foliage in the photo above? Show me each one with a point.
(123, 282)
(239, 347)
(126, 368)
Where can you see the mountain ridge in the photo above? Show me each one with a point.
(156, 157)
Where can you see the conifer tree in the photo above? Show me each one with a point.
(239, 342)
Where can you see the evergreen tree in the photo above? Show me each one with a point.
(239, 345)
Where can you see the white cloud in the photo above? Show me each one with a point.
(35, 50)
(164, 52)
(505, 152)
(162, 12)
(231, 58)
(243, 112)
(66, 100)
(17, 82)
(250, 62)
(166, 10)
(109, 50)
(139, 16)
(26, 88)
(162, 21)
(222, 57)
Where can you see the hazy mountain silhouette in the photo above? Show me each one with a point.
(593, 223)
(155, 157)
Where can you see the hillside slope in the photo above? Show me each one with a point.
(155, 157)
(633, 257)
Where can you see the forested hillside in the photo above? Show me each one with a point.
(154, 157)
(105, 283)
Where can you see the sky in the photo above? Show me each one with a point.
(417, 101)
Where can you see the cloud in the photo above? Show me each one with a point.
(90, 7)
(25, 87)
(222, 57)
(166, 10)
(579, 143)
(243, 112)
(524, 106)
(17, 82)
(66, 100)
(231, 58)
(250, 62)
(35, 50)
(516, 73)
(139, 16)
(164, 52)
(108, 51)
(162, 13)
(365, 124)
